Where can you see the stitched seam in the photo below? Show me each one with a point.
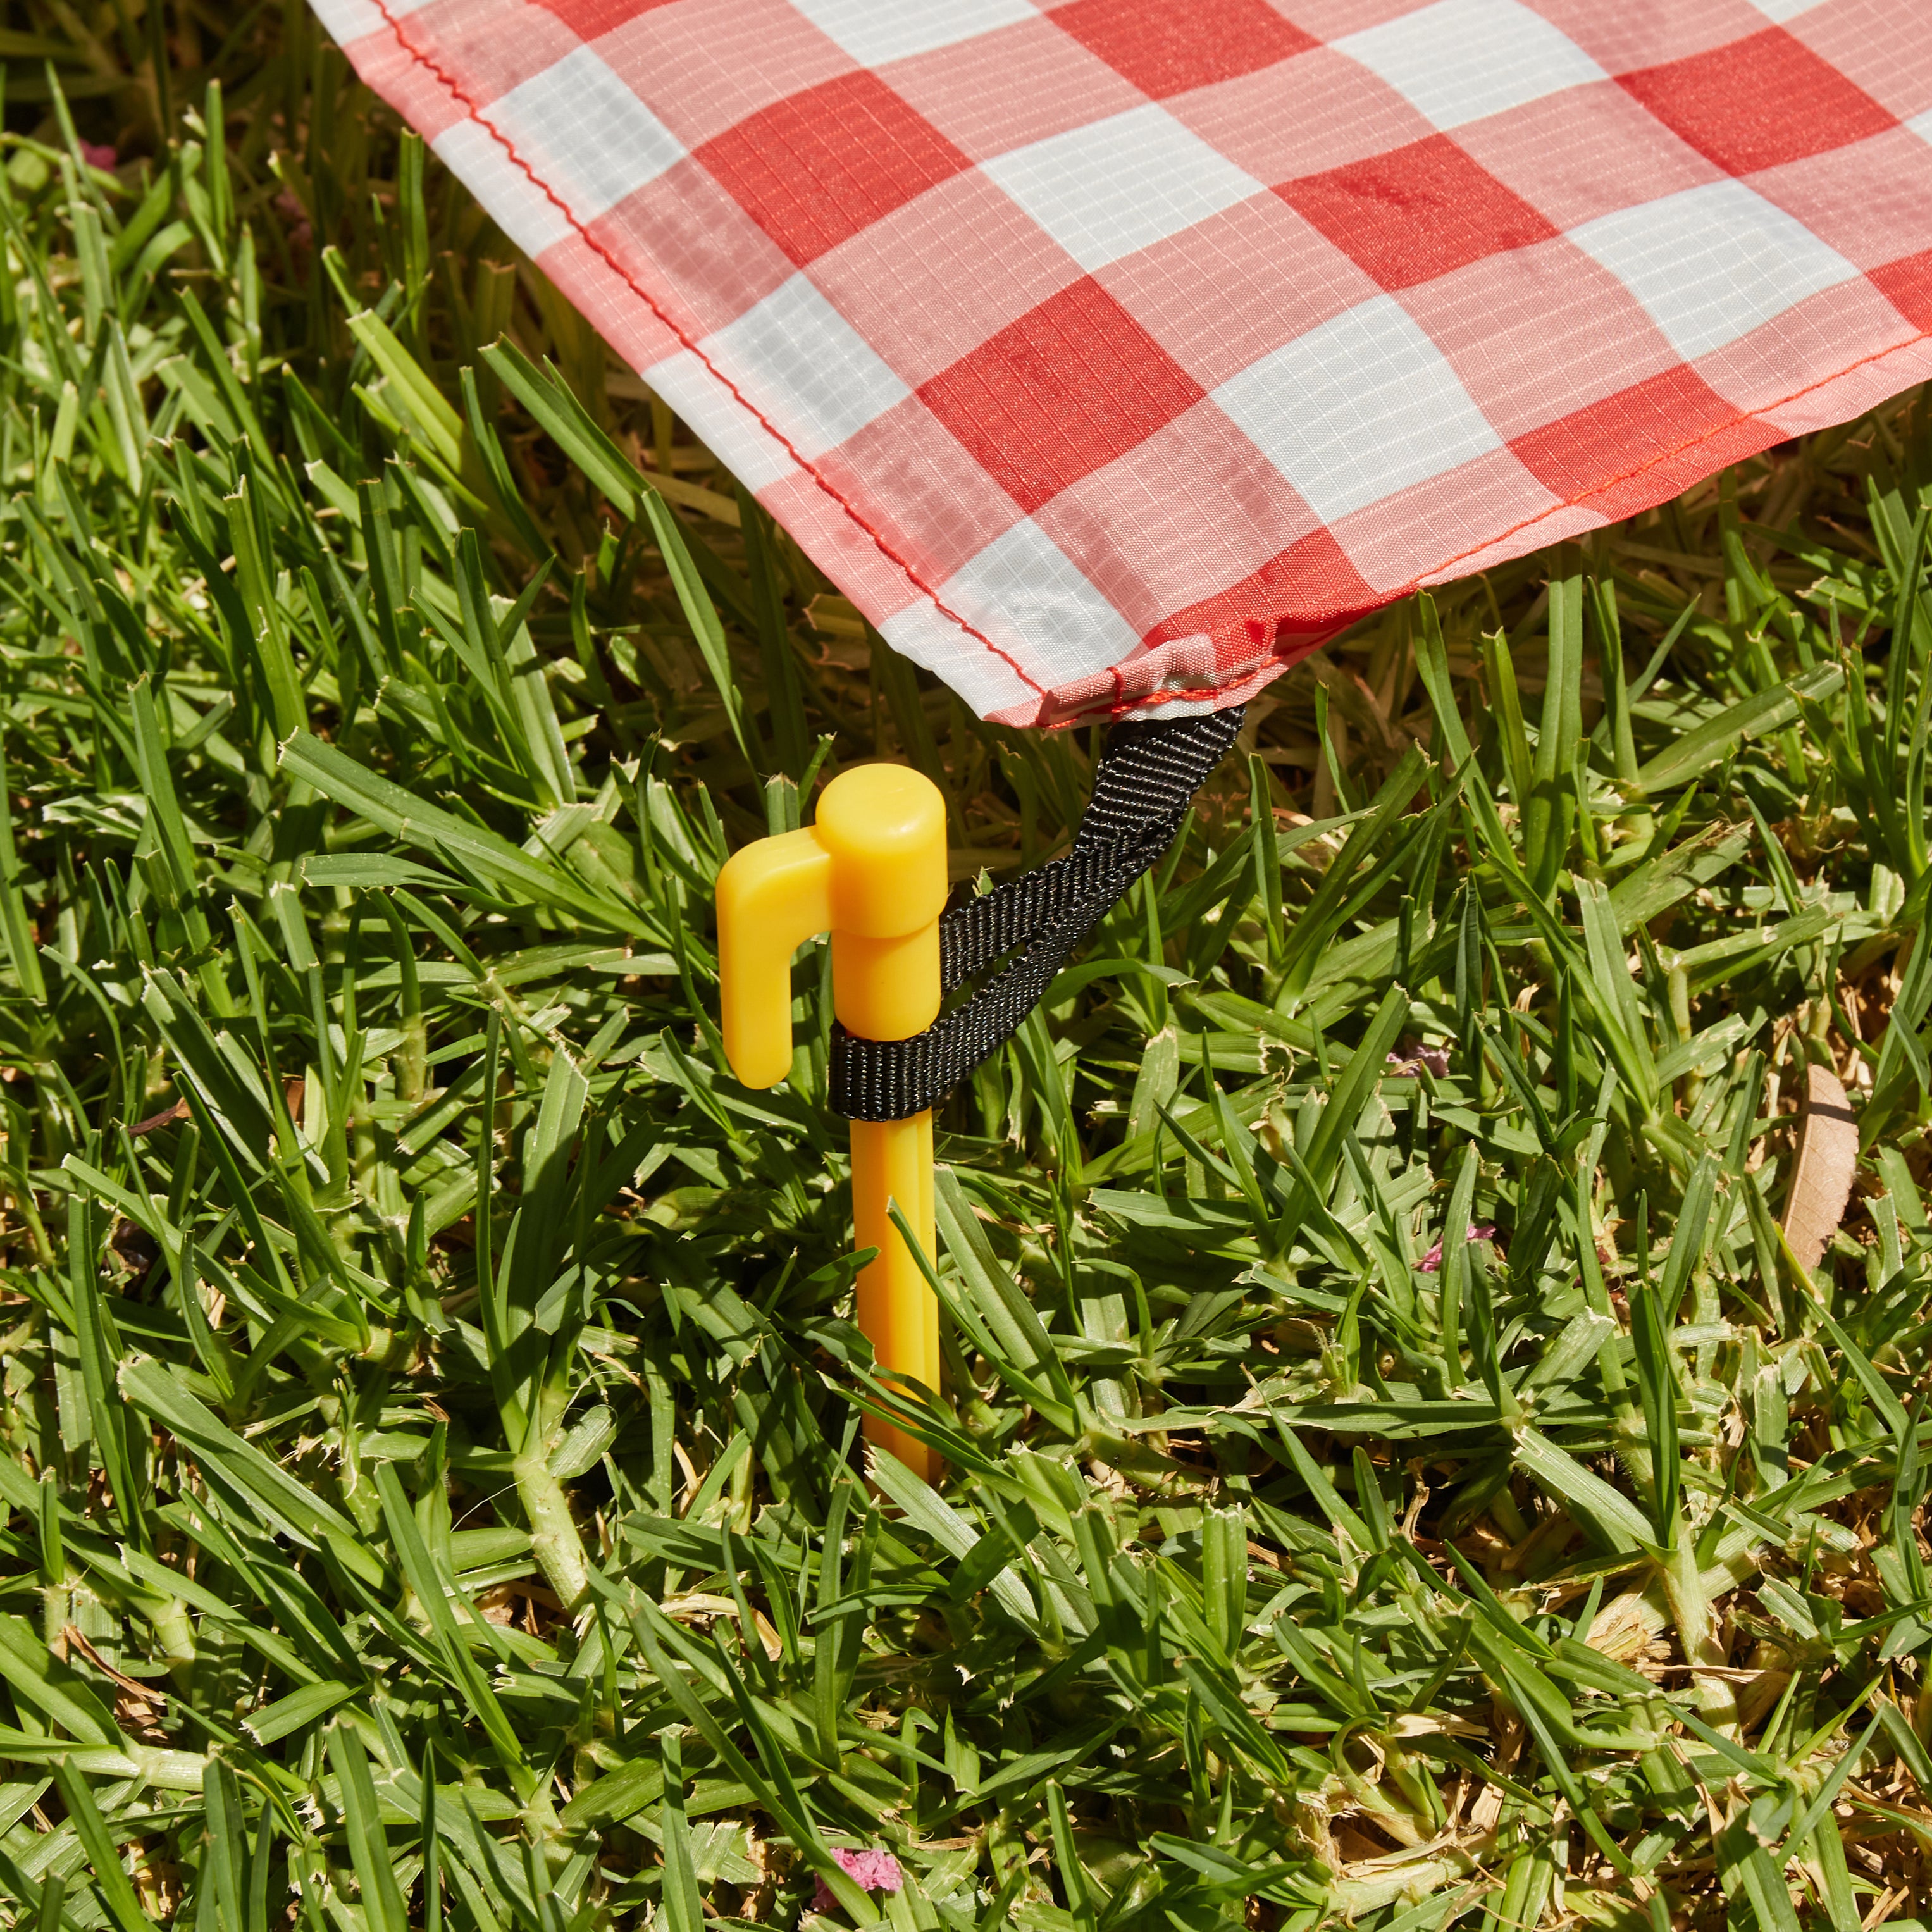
(1710, 435)
(1575, 502)
(458, 93)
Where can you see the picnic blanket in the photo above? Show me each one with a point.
(1110, 355)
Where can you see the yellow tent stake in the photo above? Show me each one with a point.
(871, 872)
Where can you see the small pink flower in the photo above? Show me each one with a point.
(98, 155)
(294, 221)
(1433, 1261)
(871, 1871)
(1432, 1057)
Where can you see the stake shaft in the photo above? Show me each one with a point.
(871, 872)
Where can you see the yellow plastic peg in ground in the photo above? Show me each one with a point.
(871, 872)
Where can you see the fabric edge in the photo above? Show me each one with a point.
(1061, 707)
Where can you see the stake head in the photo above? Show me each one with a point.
(885, 826)
(871, 872)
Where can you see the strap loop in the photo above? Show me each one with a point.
(1149, 773)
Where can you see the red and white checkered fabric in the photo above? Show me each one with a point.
(1111, 353)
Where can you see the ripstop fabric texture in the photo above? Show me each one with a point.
(1109, 355)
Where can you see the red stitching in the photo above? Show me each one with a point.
(475, 113)
(1596, 489)
(1625, 476)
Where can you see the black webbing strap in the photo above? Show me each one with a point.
(1149, 772)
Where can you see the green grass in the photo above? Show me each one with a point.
(430, 1488)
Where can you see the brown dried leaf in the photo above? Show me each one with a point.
(77, 1640)
(1624, 1628)
(1822, 1173)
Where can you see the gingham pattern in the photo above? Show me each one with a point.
(1109, 354)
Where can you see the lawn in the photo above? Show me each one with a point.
(1398, 1472)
